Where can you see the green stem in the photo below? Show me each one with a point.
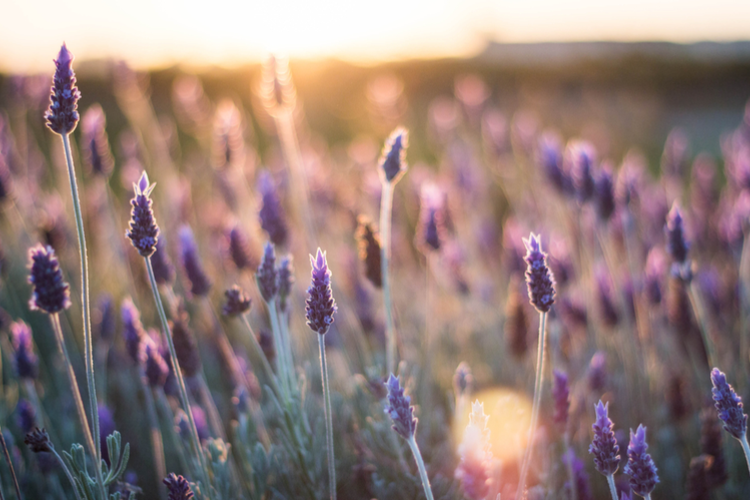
(157, 443)
(85, 303)
(78, 400)
(537, 401)
(420, 465)
(178, 374)
(281, 364)
(286, 337)
(612, 487)
(746, 449)
(67, 474)
(386, 205)
(329, 417)
(260, 355)
(10, 466)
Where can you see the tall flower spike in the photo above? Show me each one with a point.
(399, 409)
(729, 405)
(677, 245)
(272, 218)
(267, 276)
(604, 445)
(640, 466)
(143, 232)
(237, 302)
(200, 284)
(368, 243)
(581, 157)
(320, 305)
(560, 397)
(62, 115)
(286, 280)
(539, 280)
(393, 159)
(25, 360)
(178, 487)
(50, 293)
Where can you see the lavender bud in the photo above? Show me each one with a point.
(25, 360)
(132, 329)
(162, 266)
(237, 302)
(200, 284)
(178, 487)
(50, 293)
(656, 269)
(272, 218)
(154, 365)
(265, 339)
(539, 279)
(677, 245)
(143, 232)
(604, 446)
(95, 146)
(286, 280)
(711, 444)
(400, 410)
(62, 115)
(393, 159)
(104, 318)
(729, 405)
(38, 441)
(26, 416)
(239, 250)
(604, 194)
(320, 305)
(640, 466)
(580, 157)
(267, 277)
(561, 399)
(430, 231)
(368, 243)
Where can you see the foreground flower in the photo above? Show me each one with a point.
(539, 279)
(604, 446)
(400, 410)
(729, 405)
(393, 160)
(143, 232)
(320, 305)
(62, 115)
(640, 466)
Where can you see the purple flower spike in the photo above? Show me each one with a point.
(199, 282)
(25, 360)
(267, 276)
(580, 157)
(368, 243)
(729, 405)
(393, 159)
(400, 410)
(154, 365)
(51, 293)
(95, 145)
(560, 396)
(640, 466)
(539, 280)
(178, 487)
(320, 305)
(132, 329)
(62, 115)
(143, 232)
(272, 218)
(237, 302)
(604, 446)
(604, 194)
(677, 245)
(286, 280)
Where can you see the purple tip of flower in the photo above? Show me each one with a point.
(399, 409)
(178, 487)
(560, 397)
(286, 280)
(728, 404)
(143, 232)
(320, 305)
(393, 159)
(62, 115)
(162, 265)
(237, 302)
(132, 329)
(677, 245)
(604, 445)
(640, 466)
(25, 360)
(267, 275)
(50, 293)
(539, 280)
(272, 218)
(200, 284)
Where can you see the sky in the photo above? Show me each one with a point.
(152, 33)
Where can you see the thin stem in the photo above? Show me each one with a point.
(746, 449)
(259, 354)
(700, 312)
(10, 466)
(178, 373)
(386, 205)
(329, 417)
(612, 487)
(85, 301)
(67, 474)
(157, 444)
(281, 364)
(537, 401)
(286, 337)
(420, 465)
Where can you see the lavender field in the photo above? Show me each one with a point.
(466, 279)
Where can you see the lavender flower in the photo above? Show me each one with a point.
(320, 305)
(640, 466)
(656, 266)
(162, 266)
(62, 115)
(26, 416)
(286, 280)
(38, 441)
(729, 405)
(598, 371)
(393, 159)
(561, 398)
(581, 478)
(604, 194)
(96, 152)
(580, 157)
(200, 284)
(400, 410)
(677, 245)
(430, 231)
(607, 307)
(551, 159)
(237, 302)
(104, 318)
(178, 486)
(539, 280)
(143, 232)
(132, 329)
(463, 380)
(154, 365)
(184, 344)
(604, 446)
(272, 218)
(50, 293)
(25, 360)
(239, 250)
(267, 276)
(368, 243)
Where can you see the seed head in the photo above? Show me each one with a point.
(143, 232)
(539, 280)
(400, 410)
(38, 441)
(62, 115)
(320, 305)
(237, 302)
(604, 445)
(728, 404)
(50, 293)
(393, 159)
(267, 275)
(640, 466)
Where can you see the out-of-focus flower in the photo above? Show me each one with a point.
(400, 410)
(50, 293)
(320, 305)
(604, 445)
(640, 466)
